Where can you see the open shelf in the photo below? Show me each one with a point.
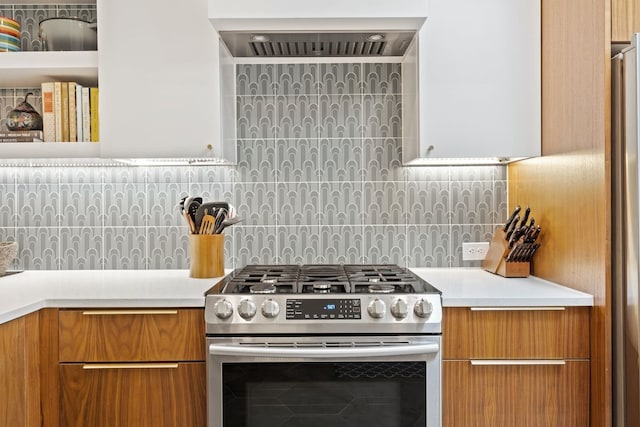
(30, 69)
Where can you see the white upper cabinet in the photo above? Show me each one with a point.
(160, 82)
(476, 71)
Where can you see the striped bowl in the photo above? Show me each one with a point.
(9, 31)
(9, 23)
(4, 47)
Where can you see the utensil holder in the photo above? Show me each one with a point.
(495, 261)
(207, 255)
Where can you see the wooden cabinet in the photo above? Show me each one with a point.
(516, 366)
(472, 85)
(132, 367)
(625, 20)
(19, 367)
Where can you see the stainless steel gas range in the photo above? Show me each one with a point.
(325, 345)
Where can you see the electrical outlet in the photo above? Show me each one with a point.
(473, 251)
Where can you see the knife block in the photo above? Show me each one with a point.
(495, 261)
(207, 255)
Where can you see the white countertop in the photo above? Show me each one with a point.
(30, 291)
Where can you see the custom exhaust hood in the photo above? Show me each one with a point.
(330, 28)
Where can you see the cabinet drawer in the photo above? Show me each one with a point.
(136, 394)
(515, 395)
(553, 333)
(131, 335)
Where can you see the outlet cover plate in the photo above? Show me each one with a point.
(474, 251)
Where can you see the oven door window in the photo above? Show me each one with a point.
(363, 394)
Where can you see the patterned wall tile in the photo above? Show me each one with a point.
(428, 202)
(500, 207)
(212, 192)
(8, 216)
(38, 248)
(39, 175)
(166, 174)
(428, 246)
(296, 79)
(209, 174)
(163, 204)
(124, 174)
(428, 173)
(342, 244)
(256, 160)
(341, 203)
(297, 116)
(383, 78)
(168, 248)
(29, 17)
(255, 203)
(340, 116)
(38, 205)
(125, 205)
(472, 202)
(297, 160)
(255, 245)
(385, 244)
(81, 205)
(477, 173)
(82, 248)
(255, 79)
(385, 203)
(8, 175)
(125, 248)
(81, 175)
(340, 159)
(340, 79)
(299, 245)
(382, 159)
(298, 203)
(382, 116)
(256, 116)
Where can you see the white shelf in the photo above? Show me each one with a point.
(30, 69)
(48, 150)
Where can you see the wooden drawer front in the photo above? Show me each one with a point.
(131, 335)
(149, 395)
(518, 395)
(514, 334)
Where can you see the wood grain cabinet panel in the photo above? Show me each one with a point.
(139, 394)
(515, 334)
(131, 335)
(518, 395)
(19, 372)
(625, 19)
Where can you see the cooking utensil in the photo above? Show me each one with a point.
(512, 227)
(220, 217)
(68, 33)
(208, 223)
(228, 223)
(525, 218)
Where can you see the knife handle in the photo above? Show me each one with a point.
(513, 215)
(512, 227)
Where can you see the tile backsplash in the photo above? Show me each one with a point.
(319, 180)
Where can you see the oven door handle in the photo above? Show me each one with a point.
(323, 352)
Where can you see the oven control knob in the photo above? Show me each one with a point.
(270, 308)
(246, 309)
(377, 309)
(399, 309)
(223, 309)
(423, 308)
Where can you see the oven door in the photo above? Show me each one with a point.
(324, 381)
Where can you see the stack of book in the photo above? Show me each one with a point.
(69, 112)
(21, 136)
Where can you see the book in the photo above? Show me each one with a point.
(93, 107)
(79, 113)
(64, 91)
(86, 116)
(48, 118)
(22, 134)
(57, 109)
(72, 112)
(20, 139)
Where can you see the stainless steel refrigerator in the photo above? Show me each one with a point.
(625, 238)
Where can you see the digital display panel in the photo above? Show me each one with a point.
(319, 309)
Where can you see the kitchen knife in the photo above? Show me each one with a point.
(512, 227)
(515, 212)
(525, 218)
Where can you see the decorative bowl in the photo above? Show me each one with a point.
(8, 251)
(9, 23)
(9, 31)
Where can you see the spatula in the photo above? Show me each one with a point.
(208, 224)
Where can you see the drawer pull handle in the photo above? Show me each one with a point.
(120, 312)
(516, 362)
(96, 366)
(517, 308)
